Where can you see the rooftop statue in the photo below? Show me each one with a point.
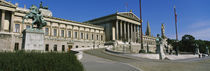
(163, 31)
(36, 16)
(41, 6)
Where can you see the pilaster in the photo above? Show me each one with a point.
(2, 20)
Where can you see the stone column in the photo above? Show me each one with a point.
(12, 23)
(113, 32)
(128, 31)
(117, 32)
(2, 20)
(131, 32)
(125, 34)
(134, 32)
(121, 30)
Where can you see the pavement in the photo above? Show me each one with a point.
(93, 63)
(144, 64)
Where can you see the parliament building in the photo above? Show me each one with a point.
(62, 35)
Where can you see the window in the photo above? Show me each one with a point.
(69, 47)
(55, 32)
(77, 46)
(92, 36)
(81, 36)
(47, 47)
(87, 36)
(46, 31)
(55, 47)
(101, 38)
(97, 37)
(75, 34)
(28, 26)
(62, 33)
(16, 46)
(17, 27)
(63, 48)
(69, 34)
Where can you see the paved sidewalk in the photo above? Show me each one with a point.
(93, 63)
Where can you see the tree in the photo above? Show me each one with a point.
(187, 43)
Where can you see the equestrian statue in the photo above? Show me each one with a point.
(36, 16)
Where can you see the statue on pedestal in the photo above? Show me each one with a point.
(197, 49)
(163, 31)
(159, 47)
(36, 16)
(207, 50)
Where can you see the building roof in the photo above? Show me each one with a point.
(7, 4)
(129, 15)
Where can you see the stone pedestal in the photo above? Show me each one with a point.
(161, 53)
(33, 40)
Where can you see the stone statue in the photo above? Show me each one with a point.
(197, 49)
(163, 31)
(159, 47)
(36, 16)
(207, 50)
(41, 6)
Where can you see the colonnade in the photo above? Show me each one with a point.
(126, 31)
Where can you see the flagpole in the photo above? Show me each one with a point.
(142, 48)
(177, 48)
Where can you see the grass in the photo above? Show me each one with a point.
(22, 61)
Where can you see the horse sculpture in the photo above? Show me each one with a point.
(36, 16)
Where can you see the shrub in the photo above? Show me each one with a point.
(22, 61)
(142, 51)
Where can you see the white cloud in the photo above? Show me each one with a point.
(203, 34)
(200, 24)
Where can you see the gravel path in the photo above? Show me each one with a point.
(155, 65)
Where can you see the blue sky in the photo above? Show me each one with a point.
(193, 15)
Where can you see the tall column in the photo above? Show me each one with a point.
(121, 30)
(12, 23)
(134, 32)
(128, 31)
(131, 32)
(117, 32)
(125, 34)
(2, 20)
(113, 31)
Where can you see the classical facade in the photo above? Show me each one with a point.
(123, 28)
(60, 34)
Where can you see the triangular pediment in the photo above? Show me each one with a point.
(129, 15)
(7, 4)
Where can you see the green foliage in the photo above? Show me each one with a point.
(187, 44)
(22, 61)
(142, 51)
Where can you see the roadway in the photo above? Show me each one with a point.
(142, 63)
